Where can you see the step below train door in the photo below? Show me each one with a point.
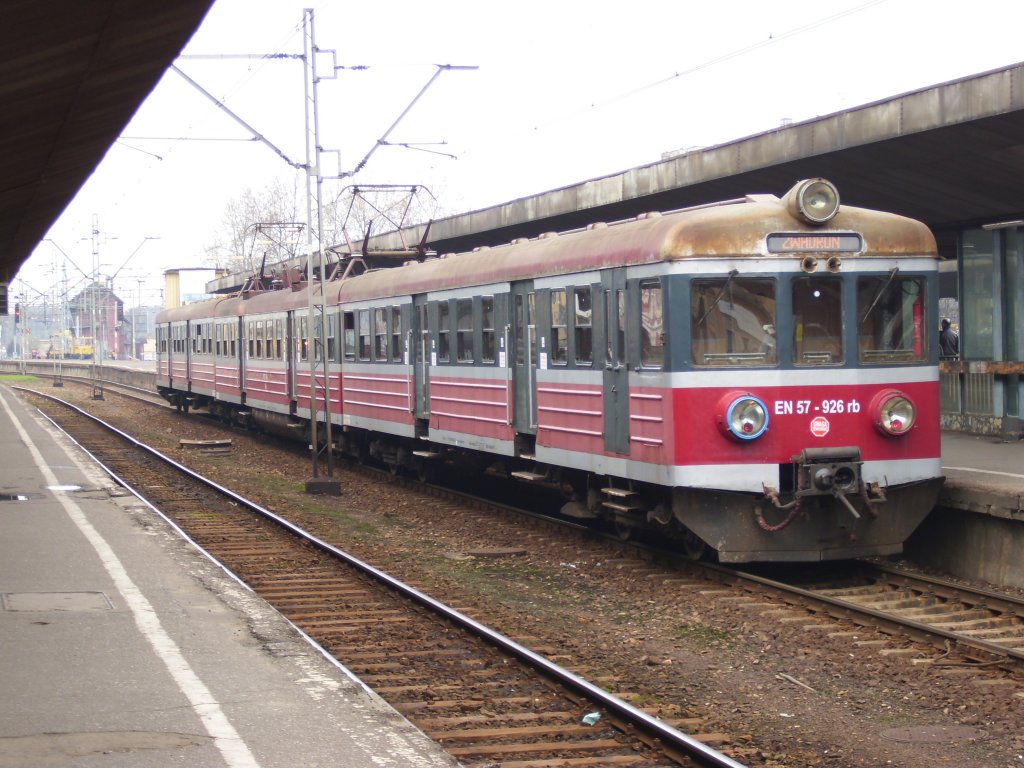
(616, 370)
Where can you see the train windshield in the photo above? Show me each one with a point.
(890, 314)
(817, 321)
(733, 321)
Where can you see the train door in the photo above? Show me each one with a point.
(616, 369)
(419, 337)
(524, 356)
(236, 347)
(289, 357)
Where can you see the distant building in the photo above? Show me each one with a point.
(96, 317)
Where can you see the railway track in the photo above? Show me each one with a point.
(483, 697)
(984, 626)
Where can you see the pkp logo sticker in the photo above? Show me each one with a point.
(819, 426)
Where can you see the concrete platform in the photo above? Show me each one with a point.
(977, 529)
(121, 645)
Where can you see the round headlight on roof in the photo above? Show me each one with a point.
(813, 200)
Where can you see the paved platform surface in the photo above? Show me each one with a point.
(983, 474)
(121, 645)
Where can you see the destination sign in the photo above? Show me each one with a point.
(816, 242)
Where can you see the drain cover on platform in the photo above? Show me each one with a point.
(56, 601)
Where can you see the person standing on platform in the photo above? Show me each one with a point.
(949, 341)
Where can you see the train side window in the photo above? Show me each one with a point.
(817, 321)
(349, 335)
(559, 327)
(464, 330)
(234, 340)
(652, 326)
(252, 338)
(259, 338)
(891, 319)
(396, 334)
(331, 323)
(380, 334)
(733, 321)
(487, 329)
(583, 316)
(364, 334)
(443, 330)
(304, 337)
(279, 341)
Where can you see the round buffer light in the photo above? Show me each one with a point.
(745, 417)
(813, 200)
(894, 413)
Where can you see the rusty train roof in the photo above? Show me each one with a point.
(730, 230)
(735, 229)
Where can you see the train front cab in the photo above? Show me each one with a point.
(806, 408)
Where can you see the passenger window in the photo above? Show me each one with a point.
(652, 326)
(890, 316)
(259, 338)
(584, 331)
(349, 334)
(332, 337)
(364, 334)
(733, 321)
(380, 335)
(252, 338)
(817, 321)
(443, 330)
(487, 329)
(279, 340)
(559, 327)
(464, 329)
(396, 333)
(304, 337)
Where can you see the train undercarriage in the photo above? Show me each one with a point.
(821, 510)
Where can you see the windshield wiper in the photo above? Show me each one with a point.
(718, 296)
(881, 292)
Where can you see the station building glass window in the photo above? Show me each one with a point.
(732, 321)
(977, 334)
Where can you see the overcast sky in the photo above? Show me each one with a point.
(565, 90)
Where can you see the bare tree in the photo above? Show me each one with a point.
(261, 226)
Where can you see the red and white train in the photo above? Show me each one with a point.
(757, 377)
